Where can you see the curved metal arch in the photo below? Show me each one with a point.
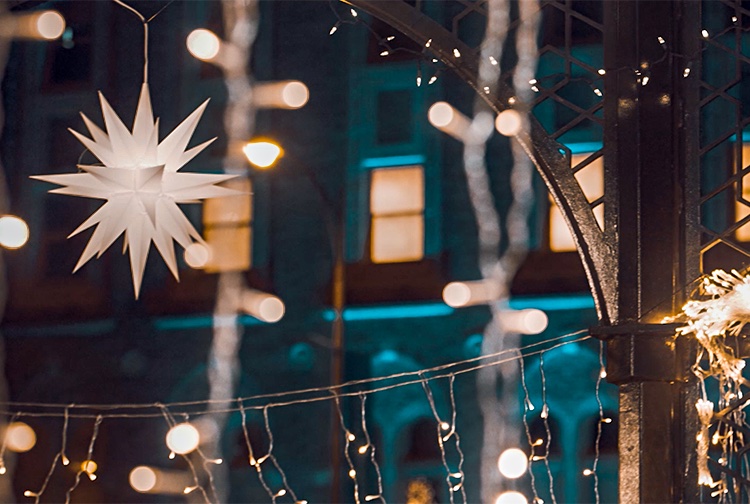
(595, 247)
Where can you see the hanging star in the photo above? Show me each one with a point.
(141, 184)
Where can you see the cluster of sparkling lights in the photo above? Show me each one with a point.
(722, 311)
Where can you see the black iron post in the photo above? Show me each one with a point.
(652, 186)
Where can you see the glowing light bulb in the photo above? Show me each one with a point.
(3, 469)
(14, 232)
(281, 493)
(89, 467)
(262, 153)
(203, 44)
(142, 479)
(493, 61)
(295, 94)
(362, 450)
(704, 33)
(350, 437)
(183, 438)
(511, 497)
(197, 255)
(445, 425)
(509, 123)
(352, 473)
(588, 472)
(272, 309)
(50, 25)
(601, 71)
(456, 294)
(603, 373)
(456, 53)
(512, 463)
(20, 437)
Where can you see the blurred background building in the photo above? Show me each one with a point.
(363, 173)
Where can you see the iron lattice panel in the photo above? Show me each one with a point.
(724, 117)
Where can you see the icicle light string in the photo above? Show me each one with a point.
(349, 437)
(456, 435)
(270, 456)
(59, 456)
(528, 406)
(251, 456)
(171, 422)
(579, 335)
(85, 464)
(545, 417)
(445, 431)
(600, 376)
(313, 399)
(369, 446)
(387, 48)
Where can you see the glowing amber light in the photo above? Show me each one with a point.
(263, 306)
(183, 438)
(203, 44)
(14, 232)
(508, 123)
(20, 437)
(511, 497)
(50, 25)
(142, 479)
(262, 154)
(512, 463)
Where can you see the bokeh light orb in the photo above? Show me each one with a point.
(20, 437)
(203, 44)
(183, 438)
(14, 232)
(513, 463)
(142, 479)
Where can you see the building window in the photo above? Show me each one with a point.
(590, 176)
(227, 225)
(397, 204)
(741, 208)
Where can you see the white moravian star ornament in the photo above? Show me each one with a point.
(142, 185)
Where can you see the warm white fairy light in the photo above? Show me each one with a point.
(601, 71)
(456, 52)
(183, 438)
(454, 486)
(334, 28)
(513, 463)
(645, 80)
(432, 80)
(14, 232)
(598, 92)
(385, 53)
(511, 497)
(587, 472)
(21, 437)
(448, 120)
(493, 61)
(203, 44)
(263, 306)
(88, 466)
(509, 123)
(262, 153)
(428, 43)
(661, 40)
(349, 437)
(704, 34)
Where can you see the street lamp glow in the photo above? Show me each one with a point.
(142, 479)
(183, 438)
(261, 153)
(512, 463)
(203, 44)
(14, 232)
(295, 94)
(511, 497)
(20, 437)
(508, 123)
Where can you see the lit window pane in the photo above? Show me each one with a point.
(397, 239)
(397, 190)
(230, 248)
(741, 209)
(591, 180)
